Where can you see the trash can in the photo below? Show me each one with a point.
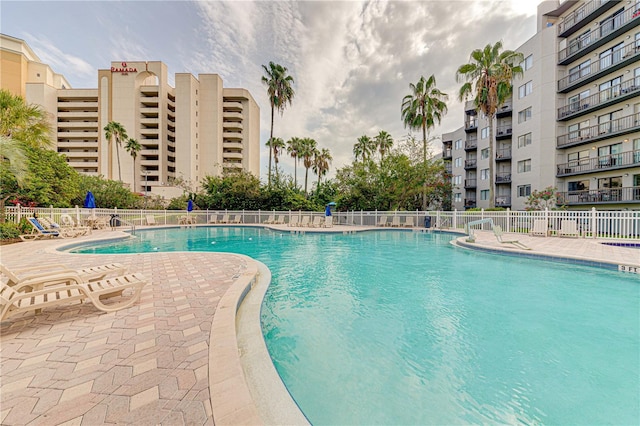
(114, 221)
(427, 221)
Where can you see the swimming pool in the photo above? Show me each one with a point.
(399, 327)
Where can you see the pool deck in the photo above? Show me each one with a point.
(159, 361)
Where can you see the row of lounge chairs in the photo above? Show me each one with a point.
(568, 228)
(45, 227)
(305, 221)
(225, 219)
(396, 222)
(35, 288)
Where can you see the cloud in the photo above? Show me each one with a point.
(63, 63)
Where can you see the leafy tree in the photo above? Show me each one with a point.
(488, 80)
(364, 148)
(308, 148)
(384, 142)
(109, 194)
(542, 200)
(277, 146)
(22, 122)
(421, 110)
(293, 148)
(115, 131)
(280, 92)
(133, 147)
(235, 190)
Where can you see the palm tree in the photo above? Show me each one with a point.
(277, 146)
(22, 122)
(363, 148)
(133, 147)
(115, 131)
(280, 93)
(307, 153)
(321, 162)
(488, 79)
(384, 142)
(293, 148)
(421, 110)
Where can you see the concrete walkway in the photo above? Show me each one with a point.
(147, 364)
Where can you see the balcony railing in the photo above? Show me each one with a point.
(470, 203)
(470, 164)
(606, 130)
(503, 154)
(503, 130)
(447, 167)
(578, 17)
(503, 201)
(446, 153)
(470, 183)
(589, 41)
(604, 196)
(602, 98)
(606, 162)
(590, 72)
(471, 144)
(471, 124)
(503, 177)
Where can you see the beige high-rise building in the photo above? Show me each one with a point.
(573, 121)
(186, 132)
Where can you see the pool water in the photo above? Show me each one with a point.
(398, 327)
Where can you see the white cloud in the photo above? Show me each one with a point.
(61, 62)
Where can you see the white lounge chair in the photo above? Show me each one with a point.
(395, 222)
(14, 302)
(67, 222)
(237, 219)
(38, 231)
(224, 219)
(304, 221)
(568, 228)
(38, 276)
(281, 220)
(317, 222)
(328, 222)
(382, 221)
(540, 227)
(270, 220)
(151, 220)
(408, 222)
(293, 221)
(497, 230)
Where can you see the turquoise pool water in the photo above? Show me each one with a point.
(399, 327)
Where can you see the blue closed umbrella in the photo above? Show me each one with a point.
(189, 205)
(327, 211)
(89, 201)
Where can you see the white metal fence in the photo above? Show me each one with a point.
(591, 223)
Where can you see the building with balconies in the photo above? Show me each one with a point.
(574, 118)
(195, 129)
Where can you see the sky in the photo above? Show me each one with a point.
(352, 61)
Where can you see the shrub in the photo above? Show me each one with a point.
(9, 231)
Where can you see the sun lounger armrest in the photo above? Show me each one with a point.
(35, 293)
(43, 267)
(37, 283)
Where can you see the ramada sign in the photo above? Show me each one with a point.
(124, 69)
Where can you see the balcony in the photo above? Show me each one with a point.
(470, 106)
(470, 203)
(471, 144)
(471, 126)
(504, 131)
(503, 201)
(470, 164)
(232, 116)
(607, 31)
(583, 15)
(470, 183)
(503, 177)
(609, 63)
(629, 194)
(604, 98)
(447, 167)
(610, 129)
(232, 125)
(607, 162)
(446, 153)
(230, 106)
(503, 154)
(232, 136)
(505, 110)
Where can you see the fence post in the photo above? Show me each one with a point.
(454, 221)
(19, 212)
(594, 225)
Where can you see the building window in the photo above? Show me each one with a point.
(456, 180)
(524, 115)
(580, 71)
(525, 89)
(457, 197)
(528, 62)
(484, 194)
(484, 174)
(458, 162)
(484, 133)
(578, 158)
(524, 166)
(458, 144)
(578, 185)
(524, 140)
(484, 154)
(611, 56)
(524, 190)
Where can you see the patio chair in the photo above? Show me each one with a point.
(151, 220)
(293, 221)
(213, 219)
(14, 302)
(50, 225)
(237, 219)
(281, 220)
(38, 231)
(317, 222)
(304, 221)
(271, 219)
(408, 222)
(224, 219)
(497, 231)
(38, 276)
(540, 227)
(328, 222)
(395, 222)
(568, 228)
(67, 222)
(382, 221)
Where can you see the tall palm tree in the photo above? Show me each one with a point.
(293, 149)
(384, 142)
(425, 106)
(133, 147)
(22, 122)
(363, 148)
(280, 93)
(115, 131)
(488, 80)
(307, 153)
(321, 162)
(277, 146)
